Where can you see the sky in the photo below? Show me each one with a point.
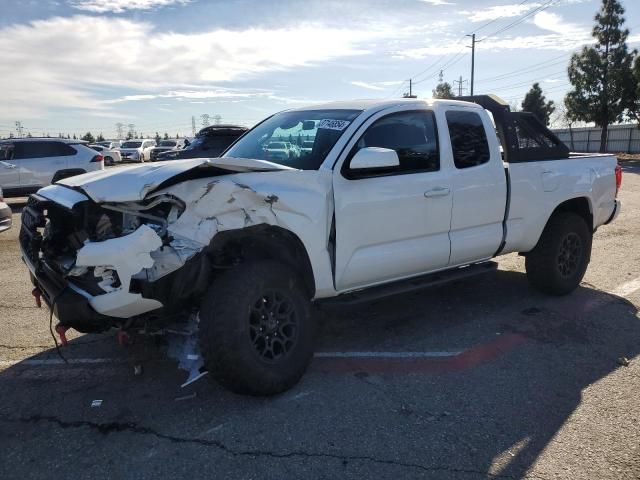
(72, 66)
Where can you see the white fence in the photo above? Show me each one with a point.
(621, 138)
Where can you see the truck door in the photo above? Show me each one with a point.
(479, 186)
(9, 173)
(392, 224)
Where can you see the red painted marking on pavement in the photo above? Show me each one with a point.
(468, 359)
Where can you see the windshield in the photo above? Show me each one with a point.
(167, 143)
(321, 129)
(131, 144)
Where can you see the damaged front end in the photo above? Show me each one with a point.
(83, 256)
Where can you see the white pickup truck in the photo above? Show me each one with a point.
(393, 195)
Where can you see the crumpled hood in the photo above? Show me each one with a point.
(133, 183)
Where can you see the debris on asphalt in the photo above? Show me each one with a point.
(137, 370)
(624, 361)
(185, 397)
(96, 404)
(183, 347)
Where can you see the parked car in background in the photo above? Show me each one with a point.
(209, 142)
(278, 151)
(5, 214)
(111, 156)
(165, 146)
(110, 144)
(137, 150)
(307, 147)
(28, 164)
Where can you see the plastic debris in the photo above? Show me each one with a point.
(624, 361)
(185, 397)
(96, 404)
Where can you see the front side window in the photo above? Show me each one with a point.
(131, 144)
(319, 128)
(468, 139)
(167, 143)
(413, 135)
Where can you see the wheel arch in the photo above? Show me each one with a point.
(260, 242)
(578, 205)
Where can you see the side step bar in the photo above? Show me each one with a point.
(412, 284)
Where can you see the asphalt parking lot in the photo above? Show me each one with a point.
(484, 378)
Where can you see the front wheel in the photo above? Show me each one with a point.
(257, 331)
(559, 261)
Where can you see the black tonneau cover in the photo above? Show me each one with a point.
(524, 138)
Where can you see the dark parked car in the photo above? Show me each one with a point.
(209, 142)
(5, 214)
(167, 145)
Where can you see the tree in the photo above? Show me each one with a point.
(536, 103)
(635, 110)
(443, 90)
(88, 138)
(603, 86)
(129, 135)
(100, 138)
(158, 138)
(74, 136)
(166, 136)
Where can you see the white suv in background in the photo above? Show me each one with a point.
(28, 164)
(137, 150)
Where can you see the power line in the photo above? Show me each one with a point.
(539, 9)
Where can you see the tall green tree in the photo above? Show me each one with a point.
(88, 137)
(443, 90)
(536, 103)
(100, 137)
(603, 85)
(157, 138)
(166, 136)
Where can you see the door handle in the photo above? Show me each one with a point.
(437, 192)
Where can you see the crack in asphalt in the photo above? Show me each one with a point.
(118, 427)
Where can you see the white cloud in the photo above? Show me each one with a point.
(62, 61)
(438, 2)
(498, 11)
(119, 6)
(368, 86)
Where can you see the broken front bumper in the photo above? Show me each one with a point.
(92, 308)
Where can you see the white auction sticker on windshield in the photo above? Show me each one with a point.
(334, 124)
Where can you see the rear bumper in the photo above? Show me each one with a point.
(616, 211)
(5, 217)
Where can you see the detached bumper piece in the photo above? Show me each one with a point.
(70, 307)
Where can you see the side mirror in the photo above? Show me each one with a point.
(374, 158)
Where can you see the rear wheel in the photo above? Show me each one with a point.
(256, 329)
(108, 161)
(559, 261)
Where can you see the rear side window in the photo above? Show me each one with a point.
(468, 139)
(412, 135)
(26, 150)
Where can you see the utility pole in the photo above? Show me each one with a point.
(119, 127)
(410, 94)
(473, 57)
(459, 82)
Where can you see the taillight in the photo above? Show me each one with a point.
(618, 178)
(97, 158)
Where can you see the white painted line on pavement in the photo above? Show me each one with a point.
(59, 361)
(386, 354)
(627, 289)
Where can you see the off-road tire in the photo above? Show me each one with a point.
(228, 331)
(559, 261)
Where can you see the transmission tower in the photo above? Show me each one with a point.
(132, 130)
(19, 129)
(460, 82)
(217, 119)
(119, 127)
(205, 119)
